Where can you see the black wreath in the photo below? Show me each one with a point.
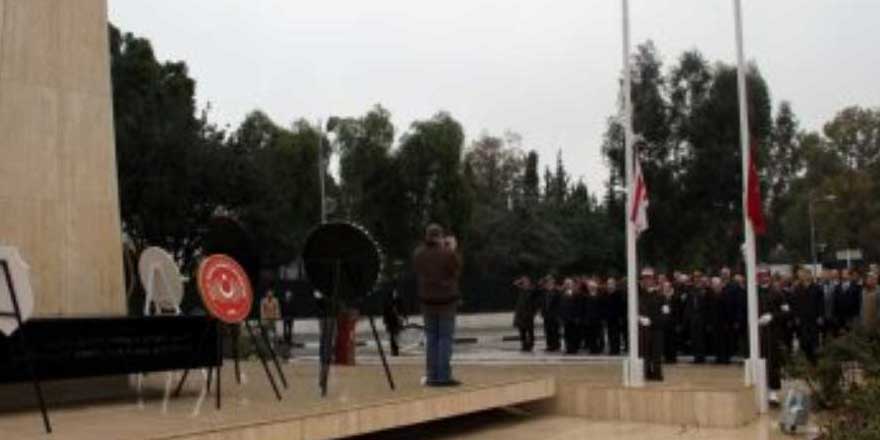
(348, 249)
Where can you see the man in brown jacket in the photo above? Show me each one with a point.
(437, 268)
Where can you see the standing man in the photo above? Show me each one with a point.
(671, 312)
(592, 313)
(870, 308)
(615, 315)
(550, 312)
(652, 321)
(270, 313)
(524, 315)
(569, 308)
(695, 314)
(848, 300)
(829, 285)
(437, 268)
(771, 326)
(287, 312)
(809, 311)
(723, 306)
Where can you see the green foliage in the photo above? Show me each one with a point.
(177, 170)
(167, 159)
(689, 147)
(846, 383)
(842, 163)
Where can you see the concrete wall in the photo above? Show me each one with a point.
(58, 191)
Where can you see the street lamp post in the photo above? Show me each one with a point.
(830, 198)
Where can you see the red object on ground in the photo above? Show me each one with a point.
(225, 289)
(346, 324)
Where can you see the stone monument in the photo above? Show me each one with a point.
(59, 201)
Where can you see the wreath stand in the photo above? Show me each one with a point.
(16, 313)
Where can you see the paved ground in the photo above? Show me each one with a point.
(481, 338)
(512, 425)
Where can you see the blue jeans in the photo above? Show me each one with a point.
(439, 331)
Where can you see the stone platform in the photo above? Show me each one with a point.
(359, 402)
(705, 396)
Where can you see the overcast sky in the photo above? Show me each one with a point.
(545, 69)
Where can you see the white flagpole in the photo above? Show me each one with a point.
(755, 368)
(633, 369)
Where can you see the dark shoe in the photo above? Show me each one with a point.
(448, 383)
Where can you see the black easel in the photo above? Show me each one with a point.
(16, 313)
(260, 354)
(328, 333)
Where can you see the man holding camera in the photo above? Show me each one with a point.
(437, 268)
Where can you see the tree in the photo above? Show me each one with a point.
(169, 179)
(688, 146)
(495, 169)
(284, 203)
(364, 146)
(429, 163)
(531, 184)
(854, 135)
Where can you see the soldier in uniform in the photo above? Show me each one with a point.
(652, 323)
(550, 312)
(771, 325)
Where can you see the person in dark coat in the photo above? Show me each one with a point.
(569, 309)
(721, 321)
(652, 326)
(809, 310)
(591, 315)
(830, 285)
(437, 266)
(734, 306)
(524, 314)
(287, 314)
(670, 309)
(789, 329)
(741, 322)
(683, 287)
(771, 325)
(615, 315)
(848, 304)
(696, 311)
(550, 298)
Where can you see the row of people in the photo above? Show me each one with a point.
(694, 313)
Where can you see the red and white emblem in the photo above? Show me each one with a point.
(225, 289)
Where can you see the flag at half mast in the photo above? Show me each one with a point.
(638, 212)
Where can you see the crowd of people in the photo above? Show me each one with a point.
(699, 314)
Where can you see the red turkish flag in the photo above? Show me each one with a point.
(753, 202)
